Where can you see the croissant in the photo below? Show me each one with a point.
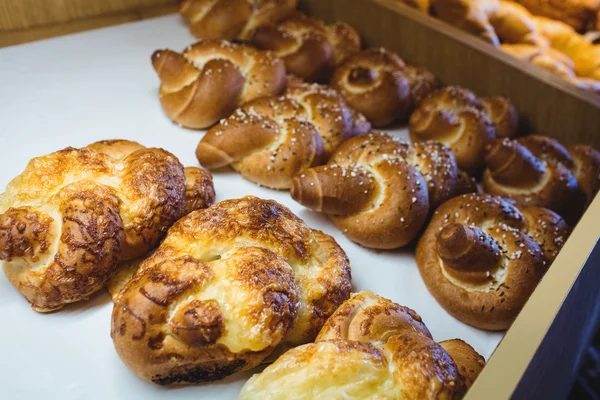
(211, 78)
(585, 55)
(270, 139)
(421, 5)
(69, 218)
(583, 161)
(227, 286)
(377, 190)
(513, 171)
(309, 48)
(547, 58)
(481, 257)
(230, 19)
(378, 84)
(370, 348)
(469, 15)
(459, 119)
(579, 14)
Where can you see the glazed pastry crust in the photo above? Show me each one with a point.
(227, 286)
(370, 348)
(72, 215)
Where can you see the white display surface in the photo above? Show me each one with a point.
(75, 90)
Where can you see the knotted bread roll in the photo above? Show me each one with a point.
(211, 78)
(481, 257)
(230, 19)
(378, 84)
(227, 286)
(513, 171)
(378, 190)
(370, 348)
(270, 139)
(458, 118)
(72, 215)
(309, 48)
(583, 161)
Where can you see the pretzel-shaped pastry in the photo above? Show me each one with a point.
(270, 139)
(211, 78)
(378, 84)
(458, 118)
(230, 19)
(377, 190)
(69, 218)
(513, 171)
(481, 257)
(309, 48)
(370, 348)
(228, 286)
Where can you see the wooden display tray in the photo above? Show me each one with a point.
(538, 356)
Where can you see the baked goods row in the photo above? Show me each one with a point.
(202, 294)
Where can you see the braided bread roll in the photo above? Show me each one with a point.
(463, 122)
(228, 286)
(481, 257)
(370, 348)
(583, 161)
(309, 48)
(270, 139)
(469, 15)
(378, 84)
(513, 171)
(230, 19)
(211, 78)
(69, 218)
(377, 190)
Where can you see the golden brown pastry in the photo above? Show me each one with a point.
(377, 190)
(481, 257)
(209, 79)
(547, 58)
(582, 160)
(585, 55)
(469, 15)
(270, 139)
(514, 24)
(513, 171)
(229, 19)
(579, 14)
(227, 286)
(309, 48)
(378, 84)
(370, 348)
(459, 119)
(72, 215)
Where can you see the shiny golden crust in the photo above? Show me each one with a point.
(199, 189)
(480, 259)
(227, 286)
(270, 139)
(547, 58)
(229, 19)
(374, 83)
(472, 16)
(463, 122)
(210, 78)
(370, 348)
(377, 190)
(309, 48)
(514, 24)
(421, 5)
(586, 169)
(513, 171)
(72, 215)
(579, 14)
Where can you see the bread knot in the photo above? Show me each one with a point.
(270, 139)
(210, 78)
(379, 191)
(231, 19)
(481, 256)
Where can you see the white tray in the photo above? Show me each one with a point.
(75, 90)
